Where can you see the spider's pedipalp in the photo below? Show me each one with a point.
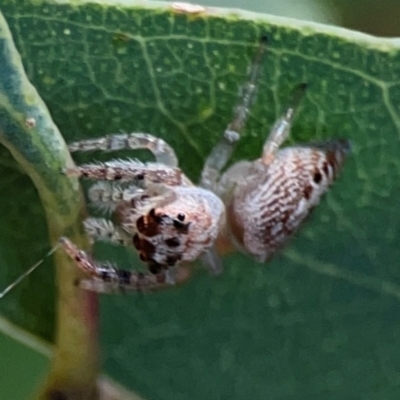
(213, 261)
(161, 150)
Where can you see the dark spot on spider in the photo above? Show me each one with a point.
(146, 249)
(181, 217)
(117, 177)
(124, 276)
(317, 177)
(331, 158)
(178, 224)
(78, 259)
(172, 242)
(140, 177)
(141, 224)
(155, 217)
(180, 227)
(136, 241)
(147, 246)
(285, 217)
(85, 174)
(171, 260)
(325, 168)
(105, 276)
(148, 225)
(155, 268)
(307, 192)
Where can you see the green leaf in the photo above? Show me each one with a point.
(30, 364)
(321, 319)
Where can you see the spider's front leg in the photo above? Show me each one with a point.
(105, 278)
(162, 151)
(136, 172)
(165, 170)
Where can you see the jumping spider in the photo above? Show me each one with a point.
(256, 205)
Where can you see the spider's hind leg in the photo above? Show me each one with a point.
(281, 129)
(221, 153)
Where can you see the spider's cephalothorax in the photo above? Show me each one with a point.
(254, 206)
(181, 229)
(153, 207)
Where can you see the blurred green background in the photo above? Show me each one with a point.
(21, 368)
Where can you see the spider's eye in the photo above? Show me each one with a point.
(181, 217)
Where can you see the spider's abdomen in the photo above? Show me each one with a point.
(270, 204)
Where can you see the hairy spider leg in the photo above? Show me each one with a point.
(162, 151)
(164, 170)
(106, 195)
(105, 278)
(212, 261)
(221, 153)
(102, 229)
(281, 129)
(134, 171)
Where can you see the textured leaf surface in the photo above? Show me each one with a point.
(319, 321)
